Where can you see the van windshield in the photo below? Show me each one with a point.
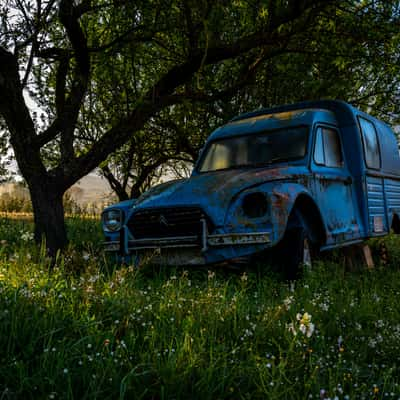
(254, 150)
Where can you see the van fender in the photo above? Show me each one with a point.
(287, 197)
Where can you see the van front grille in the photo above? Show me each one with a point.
(167, 222)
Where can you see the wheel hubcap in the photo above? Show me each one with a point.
(306, 254)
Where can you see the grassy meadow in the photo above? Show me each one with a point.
(88, 329)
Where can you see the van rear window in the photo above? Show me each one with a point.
(371, 146)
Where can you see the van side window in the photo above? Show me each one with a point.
(370, 140)
(327, 150)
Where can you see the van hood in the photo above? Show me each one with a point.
(214, 191)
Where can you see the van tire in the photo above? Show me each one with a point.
(294, 252)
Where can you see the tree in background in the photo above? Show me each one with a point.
(165, 149)
(103, 72)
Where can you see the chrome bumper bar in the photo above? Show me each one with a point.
(206, 241)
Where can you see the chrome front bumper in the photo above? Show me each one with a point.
(206, 241)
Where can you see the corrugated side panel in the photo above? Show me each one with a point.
(392, 192)
(376, 205)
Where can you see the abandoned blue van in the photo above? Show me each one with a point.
(287, 181)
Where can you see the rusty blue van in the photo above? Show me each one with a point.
(285, 182)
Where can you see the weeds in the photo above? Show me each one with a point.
(88, 331)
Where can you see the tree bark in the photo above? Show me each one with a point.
(48, 211)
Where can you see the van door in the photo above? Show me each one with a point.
(375, 185)
(333, 186)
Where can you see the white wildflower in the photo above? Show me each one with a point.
(288, 301)
(306, 327)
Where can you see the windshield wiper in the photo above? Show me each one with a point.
(260, 164)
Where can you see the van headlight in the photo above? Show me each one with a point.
(255, 205)
(112, 220)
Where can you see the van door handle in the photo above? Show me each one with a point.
(347, 181)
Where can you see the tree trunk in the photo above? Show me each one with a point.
(48, 211)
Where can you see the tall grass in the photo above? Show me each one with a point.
(87, 329)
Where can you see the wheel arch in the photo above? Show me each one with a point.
(307, 210)
(396, 223)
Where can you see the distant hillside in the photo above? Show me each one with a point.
(90, 190)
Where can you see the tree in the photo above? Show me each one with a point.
(325, 62)
(167, 146)
(69, 56)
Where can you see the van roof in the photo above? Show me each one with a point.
(257, 122)
(344, 112)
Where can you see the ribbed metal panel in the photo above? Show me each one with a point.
(392, 192)
(376, 203)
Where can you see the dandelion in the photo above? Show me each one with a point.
(65, 371)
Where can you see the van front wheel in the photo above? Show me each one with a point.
(294, 252)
